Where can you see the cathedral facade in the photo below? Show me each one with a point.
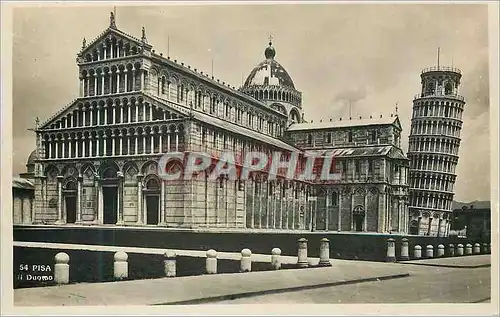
(96, 160)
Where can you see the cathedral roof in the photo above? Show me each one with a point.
(344, 123)
(381, 150)
(232, 127)
(269, 72)
(18, 182)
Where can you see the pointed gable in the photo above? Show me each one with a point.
(78, 103)
(111, 35)
(59, 114)
(397, 123)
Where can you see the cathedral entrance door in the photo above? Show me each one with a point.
(358, 222)
(358, 217)
(70, 209)
(69, 196)
(153, 207)
(152, 196)
(110, 204)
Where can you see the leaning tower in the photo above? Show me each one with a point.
(433, 150)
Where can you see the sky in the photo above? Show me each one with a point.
(366, 55)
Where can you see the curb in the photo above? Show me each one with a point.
(212, 299)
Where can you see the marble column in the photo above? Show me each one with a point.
(84, 116)
(121, 113)
(133, 80)
(50, 147)
(105, 114)
(98, 148)
(129, 137)
(400, 215)
(162, 204)
(82, 86)
(117, 81)
(91, 142)
(120, 138)
(126, 81)
(102, 83)
(327, 209)
(339, 216)
(152, 137)
(160, 142)
(100, 203)
(176, 140)
(83, 146)
(79, 200)
(365, 220)
(104, 145)
(143, 142)
(139, 199)
(60, 218)
(113, 147)
(63, 150)
(87, 86)
(143, 74)
(136, 149)
(120, 204)
(351, 211)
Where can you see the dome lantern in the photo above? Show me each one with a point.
(270, 52)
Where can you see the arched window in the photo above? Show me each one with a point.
(414, 227)
(349, 136)
(309, 139)
(335, 199)
(448, 89)
(430, 88)
(359, 210)
(152, 184)
(53, 203)
(70, 186)
(109, 173)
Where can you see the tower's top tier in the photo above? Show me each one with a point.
(441, 69)
(440, 81)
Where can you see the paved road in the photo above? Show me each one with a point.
(456, 280)
(426, 284)
(185, 290)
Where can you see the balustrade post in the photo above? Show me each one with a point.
(404, 249)
(211, 262)
(170, 264)
(417, 252)
(246, 260)
(302, 253)
(120, 265)
(275, 258)
(61, 268)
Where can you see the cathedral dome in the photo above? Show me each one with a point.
(269, 72)
(31, 159)
(30, 164)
